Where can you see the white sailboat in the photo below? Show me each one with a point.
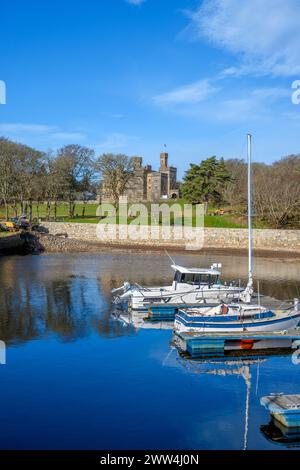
(244, 316)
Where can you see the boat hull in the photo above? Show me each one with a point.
(138, 301)
(185, 323)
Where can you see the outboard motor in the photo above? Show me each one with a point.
(122, 293)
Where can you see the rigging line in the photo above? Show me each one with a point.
(168, 255)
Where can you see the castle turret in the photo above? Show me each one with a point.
(164, 161)
(138, 162)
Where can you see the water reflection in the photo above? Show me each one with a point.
(280, 435)
(69, 307)
(248, 369)
(98, 394)
(69, 295)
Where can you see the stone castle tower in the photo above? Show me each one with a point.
(149, 185)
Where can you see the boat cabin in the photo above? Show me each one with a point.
(195, 276)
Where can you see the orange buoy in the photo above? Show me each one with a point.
(247, 344)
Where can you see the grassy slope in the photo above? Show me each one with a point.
(225, 221)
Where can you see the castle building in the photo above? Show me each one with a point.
(149, 185)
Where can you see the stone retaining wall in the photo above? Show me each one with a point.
(279, 240)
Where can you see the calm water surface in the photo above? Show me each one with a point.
(76, 379)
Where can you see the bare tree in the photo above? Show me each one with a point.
(74, 164)
(235, 190)
(116, 171)
(7, 173)
(277, 192)
(19, 174)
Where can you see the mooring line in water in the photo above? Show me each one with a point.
(168, 356)
(248, 385)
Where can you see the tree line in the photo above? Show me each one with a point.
(30, 177)
(276, 188)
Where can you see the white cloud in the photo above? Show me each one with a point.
(236, 105)
(15, 128)
(135, 2)
(20, 131)
(254, 105)
(188, 94)
(265, 34)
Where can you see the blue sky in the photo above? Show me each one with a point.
(131, 75)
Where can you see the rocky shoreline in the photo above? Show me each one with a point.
(46, 243)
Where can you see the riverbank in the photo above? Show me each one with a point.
(56, 245)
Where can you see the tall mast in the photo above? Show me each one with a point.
(250, 262)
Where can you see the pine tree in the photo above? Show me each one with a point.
(205, 182)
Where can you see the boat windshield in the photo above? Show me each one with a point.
(196, 279)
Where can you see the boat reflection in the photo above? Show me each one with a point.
(281, 435)
(248, 368)
(139, 320)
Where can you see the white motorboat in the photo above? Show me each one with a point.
(190, 286)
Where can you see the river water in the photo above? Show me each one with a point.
(77, 379)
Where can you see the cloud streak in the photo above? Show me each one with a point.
(264, 35)
(135, 2)
(40, 131)
(187, 94)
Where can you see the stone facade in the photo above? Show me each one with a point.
(147, 184)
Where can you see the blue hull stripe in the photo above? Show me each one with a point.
(224, 318)
(207, 325)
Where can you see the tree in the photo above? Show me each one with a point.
(20, 169)
(116, 171)
(205, 182)
(235, 190)
(74, 166)
(7, 173)
(277, 192)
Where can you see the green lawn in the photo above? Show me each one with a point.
(62, 210)
(218, 221)
(209, 221)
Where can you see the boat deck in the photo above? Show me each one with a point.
(285, 409)
(256, 335)
(281, 403)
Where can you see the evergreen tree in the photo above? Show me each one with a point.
(205, 182)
